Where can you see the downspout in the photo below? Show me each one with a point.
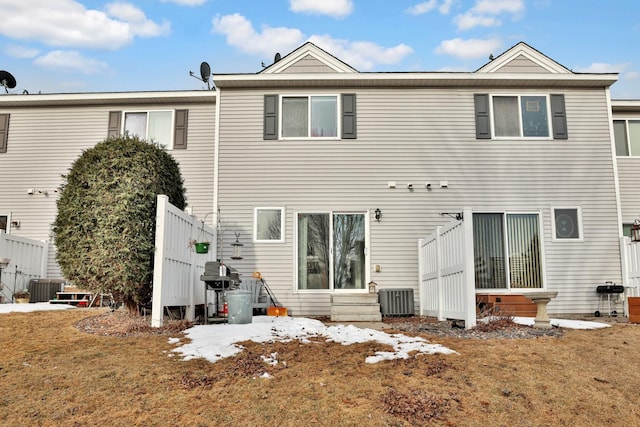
(216, 172)
(616, 183)
(614, 161)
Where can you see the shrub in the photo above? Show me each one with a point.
(105, 226)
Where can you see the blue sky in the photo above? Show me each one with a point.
(62, 46)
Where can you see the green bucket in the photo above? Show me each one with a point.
(202, 248)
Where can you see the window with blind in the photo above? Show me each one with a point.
(507, 251)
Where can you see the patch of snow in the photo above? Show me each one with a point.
(564, 323)
(37, 306)
(215, 342)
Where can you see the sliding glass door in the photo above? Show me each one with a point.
(507, 251)
(331, 251)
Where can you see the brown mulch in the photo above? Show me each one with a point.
(120, 323)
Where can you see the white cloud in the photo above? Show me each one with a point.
(68, 23)
(496, 7)
(70, 61)
(241, 34)
(602, 67)
(17, 51)
(361, 55)
(334, 8)
(470, 20)
(428, 6)
(423, 7)
(485, 13)
(445, 7)
(468, 49)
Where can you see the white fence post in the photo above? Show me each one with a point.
(469, 270)
(157, 306)
(438, 266)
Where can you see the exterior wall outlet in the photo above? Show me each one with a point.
(30, 191)
(391, 184)
(377, 268)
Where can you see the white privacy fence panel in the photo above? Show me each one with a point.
(447, 287)
(177, 266)
(28, 260)
(630, 266)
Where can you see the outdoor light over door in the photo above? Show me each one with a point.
(237, 248)
(635, 231)
(372, 287)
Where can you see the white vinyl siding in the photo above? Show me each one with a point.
(44, 141)
(421, 135)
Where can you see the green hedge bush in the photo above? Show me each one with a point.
(104, 231)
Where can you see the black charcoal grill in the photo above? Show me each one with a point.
(219, 278)
(605, 292)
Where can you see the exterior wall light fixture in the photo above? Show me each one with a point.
(378, 214)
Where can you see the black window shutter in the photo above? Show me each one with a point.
(349, 123)
(180, 131)
(4, 132)
(114, 124)
(270, 130)
(483, 119)
(559, 117)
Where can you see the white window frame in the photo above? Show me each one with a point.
(309, 137)
(255, 224)
(626, 120)
(554, 235)
(367, 253)
(507, 264)
(147, 112)
(521, 137)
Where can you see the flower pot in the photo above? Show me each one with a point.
(22, 300)
(202, 247)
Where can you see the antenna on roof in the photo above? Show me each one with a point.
(205, 74)
(7, 80)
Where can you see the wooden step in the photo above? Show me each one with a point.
(508, 305)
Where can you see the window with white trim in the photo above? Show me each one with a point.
(521, 116)
(268, 225)
(309, 116)
(567, 224)
(156, 126)
(627, 137)
(507, 251)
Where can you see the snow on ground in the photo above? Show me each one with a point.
(564, 323)
(38, 306)
(215, 342)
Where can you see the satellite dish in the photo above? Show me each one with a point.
(7, 80)
(277, 57)
(205, 72)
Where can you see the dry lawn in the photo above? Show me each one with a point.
(53, 374)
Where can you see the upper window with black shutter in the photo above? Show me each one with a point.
(165, 127)
(4, 132)
(520, 116)
(310, 116)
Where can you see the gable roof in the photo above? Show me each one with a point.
(310, 66)
(523, 57)
(313, 53)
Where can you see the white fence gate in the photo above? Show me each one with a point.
(27, 260)
(447, 285)
(630, 252)
(177, 267)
